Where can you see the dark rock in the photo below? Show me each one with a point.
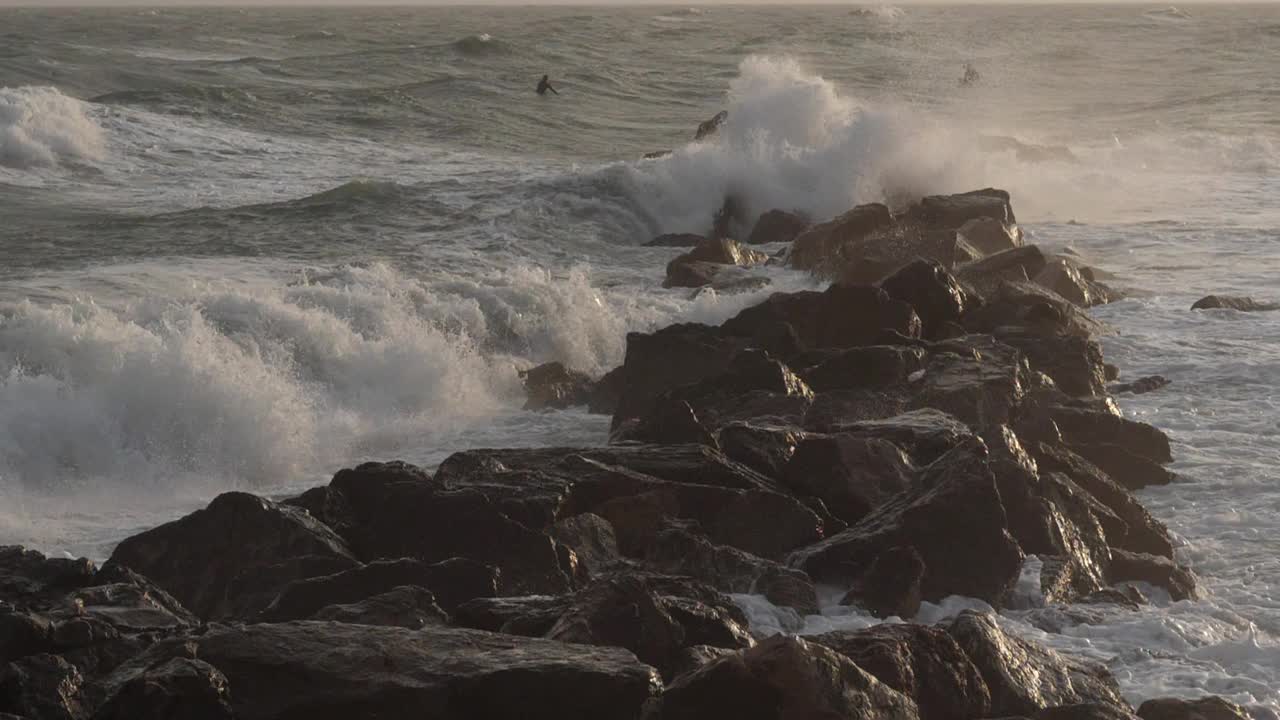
(667, 359)
(1229, 302)
(1129, 598)
(672, 421)
(833, 411)
(676, 240)
(529, 616)
(552, 386)
(1129, 468)
(875, 366)
(1018, 264)
(1065, 278)
(1155, 570)
(200, 557)
(1085, 711)
(764, 448)
(876, 256)
(753, 387)
(975, 379)
(1025, 678)
(678, 551)
(936, 296)
(710, 127)
(954, 519)
(1206, 708)
(891, 586)
(989, 235)
(842, 316)
(179, 688)
(1141, 385)
(1033, 307)
(816, 248)
(925, 434)
(42, 687)
(24, 633)
(408, 606)
(1073, 362)
(777, 226)
(604, 396)
(850, 474)
(783, 677)
(953, 211)
(28, 579)
(920, 661)
(130, 603)
(1083, 427)
(656, 154)
(695, 656)
(592, 540)
(331, 671)
(452, 582)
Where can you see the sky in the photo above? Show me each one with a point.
(357, 3)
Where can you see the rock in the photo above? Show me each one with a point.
(1141, 385)
(753, 386)
(656, 154)
(874, 366)
(842, 316)
(604, 396)
(28, 579)
(1132, 470)
(1066, 279)
(678, 551)
(452, 583)
(23, 634)
(669, 358)
(200, 558)
(1036, 309)
(975, 379)
(332, 671)
(764, 448)
(989, 235)
(1073, 362)
(872, 258)
(42, 687)
(1083, 427)
(685, 273)
(777, 226)
(724, 251)
(920, 661)
(954, 519)
(712, 126)
(850, 474)
(631, 612)
(1230, 302)
(408, 606)
(953, 211)
(835, 411)
(936, 296)
(815, 249)
(1206, 708)
(676, 240)
(891, 586)
(1014, 265)
(783, 677)
(925, 434)
(130, 603)
(672, 421)
(529, 616)
(1152, 569)
(552, 386)
(592, 539)
(1023, 677)
(179, 688)
(1085, 711)
(695, 656)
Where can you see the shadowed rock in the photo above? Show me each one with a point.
(1206, 708)
(777, 226)
(1231, 302)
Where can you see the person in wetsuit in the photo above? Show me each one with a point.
(544, 85)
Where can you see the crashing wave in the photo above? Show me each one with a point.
(41, 127)
(480, 45)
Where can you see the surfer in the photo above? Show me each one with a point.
(544, 85)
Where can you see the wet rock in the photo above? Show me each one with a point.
(328, 671)
(694, 657)
(179, 688)
(1141, 386)
(1073, 362)
(1206, 708)
(876, 256)
(816, 248)
(753, 387)
(938, 298)
(834, 411)
(989, 235)
(920, 661)
(1025, 678)
(23, 634)
(28, 579)
(681, 552)
(529, 616)
(408, 606)
(840, 317)
(1083, 427)
(891, 586)
(783, 677)
(1034, 308)
(777, 226)
(452, 582)
(1014, 265)
(954, 519)
(975, 379)
(925, 434)
(875, 366)
(592, 540)
(764, 448)
(676, 240)
(1085, 711)
(1231, 302)
(850, 474)
(1129, 598)
(1152, 569)
(672, 421)
(1066, 279)
(553, 386)
(685, 273)
(672, 357)
(42, 687)
(199, 558)
(130, 603)
(604, 396)
(1131, 469)
(712, 126)
(953, 211)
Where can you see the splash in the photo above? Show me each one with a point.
(41, 127)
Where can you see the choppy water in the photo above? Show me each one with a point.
(245, 248)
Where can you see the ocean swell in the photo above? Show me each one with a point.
(41, 127)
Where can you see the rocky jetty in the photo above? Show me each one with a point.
(915, 431)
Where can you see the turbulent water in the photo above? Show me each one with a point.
(243, 249)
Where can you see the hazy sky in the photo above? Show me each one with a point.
(674, 3)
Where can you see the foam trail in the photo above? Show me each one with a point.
(39, 127)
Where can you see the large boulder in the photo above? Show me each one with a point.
(1013, 265)
(754, 386)
(669, 358)
(42, 687)
(891, 586)
(974, 378)
(783, 677)
(938, 298)
(28, 579)
(1019, 303)
(816, 249)
(920, 661)
(1074, 283)
(953, 211)
(850, 474)
(178, 688)
(1073, 362)
(552, 386)
(871, 367)
(841, 316)
(231, 558)
(954, 519)
(1025, 678)
(989, 235)
(408, 606)
(1206, 708)
(326, 670)
(777, 226)
(1155, 570)
(711, 251)
(1085, 429)
(1233, 302)
(452, 582)
(763, 447)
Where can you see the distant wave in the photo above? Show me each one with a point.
(1169, 13)
(879, 12)
(41, 127)
(317, 35)
(482, 45)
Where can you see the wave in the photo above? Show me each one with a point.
(317, 35)
(41, 127)
(879, 12)
(184, 98)
(1169, 13)
(482, 45)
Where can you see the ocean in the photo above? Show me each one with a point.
(244, 248)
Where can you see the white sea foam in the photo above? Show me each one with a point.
(39, 126)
